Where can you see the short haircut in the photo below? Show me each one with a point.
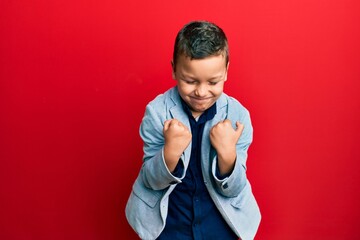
(200, 39)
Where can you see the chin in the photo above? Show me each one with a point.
(201, 109)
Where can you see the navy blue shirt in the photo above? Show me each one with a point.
(192, 214)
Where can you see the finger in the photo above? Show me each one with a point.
(176, 122)
(227, 121)
(177, 125)
(180, 124)
(173, 122)
(221, 122)
(167, 124)
(239, 128)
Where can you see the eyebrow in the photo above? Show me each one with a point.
(195, 79)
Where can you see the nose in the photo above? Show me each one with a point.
(201, 90)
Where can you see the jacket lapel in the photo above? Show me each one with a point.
(177, 112)
(206, 158)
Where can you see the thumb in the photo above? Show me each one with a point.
(239, 128)
(167, 124)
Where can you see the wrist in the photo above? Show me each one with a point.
(171, 158)
(227, 154)
(226, 161)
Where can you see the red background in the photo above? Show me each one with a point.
(75, 77)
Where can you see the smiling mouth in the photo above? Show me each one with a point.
(200, 99)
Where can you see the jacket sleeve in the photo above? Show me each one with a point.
(232, 185)
(154, 172)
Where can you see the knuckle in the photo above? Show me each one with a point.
(227, 122)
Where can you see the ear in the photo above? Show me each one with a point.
(173, 70)
(227, 69)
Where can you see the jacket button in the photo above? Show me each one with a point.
(225, 186)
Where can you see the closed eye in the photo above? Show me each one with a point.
(213, 83)
(189, 82)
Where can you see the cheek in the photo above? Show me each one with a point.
(185, 90)
(218, 90)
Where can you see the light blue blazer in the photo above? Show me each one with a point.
(147, 206)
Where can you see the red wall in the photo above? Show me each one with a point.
(75, 77)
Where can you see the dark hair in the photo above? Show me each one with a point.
(200, 39)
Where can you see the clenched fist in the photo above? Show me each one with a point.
(223, 138)
(177, 138)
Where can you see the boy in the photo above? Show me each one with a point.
(192, 184)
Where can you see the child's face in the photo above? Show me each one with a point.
(200, 81)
